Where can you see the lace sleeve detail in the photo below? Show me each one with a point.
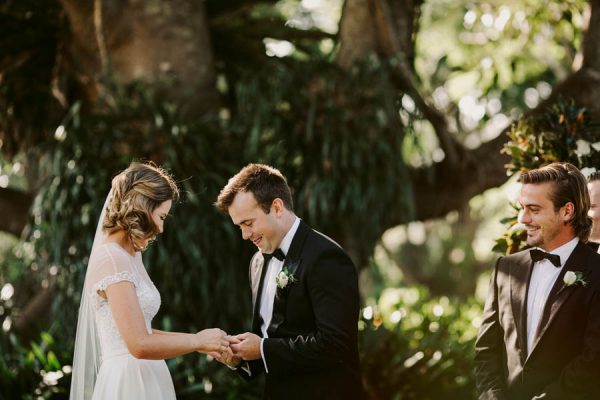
(118, 277)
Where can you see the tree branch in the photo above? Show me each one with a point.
(453, 149)
(441, 188)
(449, 184)
(391, 35)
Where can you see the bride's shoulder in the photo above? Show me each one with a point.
(109, 263)
(110, 252)
(113, 248)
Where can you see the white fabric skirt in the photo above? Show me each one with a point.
(125, 377)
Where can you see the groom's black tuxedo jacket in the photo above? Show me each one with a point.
(564, 362)
(311, 350)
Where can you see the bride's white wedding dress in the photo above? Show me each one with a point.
(120, 375)
(103, 368)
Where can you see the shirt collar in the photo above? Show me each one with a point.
(287, 239)
(564, 251)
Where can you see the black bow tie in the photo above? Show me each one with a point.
(278, 254)
(539, 255)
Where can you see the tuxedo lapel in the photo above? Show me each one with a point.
(520, 274)
(561, 292)
(261, 269)
(292, 263)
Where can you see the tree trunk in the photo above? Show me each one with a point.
(383, 27)
(162, 41)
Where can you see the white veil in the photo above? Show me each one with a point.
(87, 357)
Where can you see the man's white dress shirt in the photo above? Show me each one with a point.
(542, 280)
(267, 297)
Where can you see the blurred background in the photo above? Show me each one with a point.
(401, 126)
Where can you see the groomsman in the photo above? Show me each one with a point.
(594, 188)
(540, 335)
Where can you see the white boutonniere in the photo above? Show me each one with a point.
(574, 277)
(284, 278)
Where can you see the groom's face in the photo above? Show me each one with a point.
(545, 226)
(262, 229)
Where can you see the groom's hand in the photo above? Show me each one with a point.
(228, 358)
(245, 346)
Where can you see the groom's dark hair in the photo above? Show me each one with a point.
(595, 176)
(569, 187)
(264, 182)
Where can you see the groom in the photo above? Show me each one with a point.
(304, 295)
(540, 335)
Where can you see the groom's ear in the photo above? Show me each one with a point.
(277, 206)
(568, 212)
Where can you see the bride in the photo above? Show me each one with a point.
(117, 354)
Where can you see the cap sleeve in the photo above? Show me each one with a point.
(109, 265)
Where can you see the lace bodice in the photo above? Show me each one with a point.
(117, 265)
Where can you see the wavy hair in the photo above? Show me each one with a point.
(264, 182)
(569, 186)
(136, 193)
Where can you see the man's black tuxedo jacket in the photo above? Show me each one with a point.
(311, 350)
(564, 362)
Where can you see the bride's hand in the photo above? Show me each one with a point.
(212, 341)
(229, 359)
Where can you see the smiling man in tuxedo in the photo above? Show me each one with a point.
(304, 295)
(540, 335)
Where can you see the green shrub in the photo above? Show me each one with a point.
(414, 346)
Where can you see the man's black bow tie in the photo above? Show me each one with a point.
(278, 254)
(539, 255)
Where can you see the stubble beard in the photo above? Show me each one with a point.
(535, 241)
(545, 235)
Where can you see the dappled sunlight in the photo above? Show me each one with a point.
(7, 292)
(312, 14)
(278, 48)
(489, 55)
(366, 111)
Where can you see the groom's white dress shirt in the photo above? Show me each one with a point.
(267, 297)
(542, 280)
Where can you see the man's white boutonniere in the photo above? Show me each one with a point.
(574, 277)
(284, 278)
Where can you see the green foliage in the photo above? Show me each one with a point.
(32, 371)
(414, 346)
(496, 50)
(514, 237)
(563, 133)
